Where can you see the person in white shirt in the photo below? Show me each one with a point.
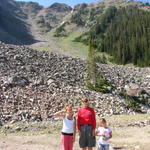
(68, 129)
(104, 134)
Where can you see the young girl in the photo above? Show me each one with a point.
(104, 134)
(69, 127)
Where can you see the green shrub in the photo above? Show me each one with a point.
(60, 31)
(77, 19)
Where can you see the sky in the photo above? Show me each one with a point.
(69, 2)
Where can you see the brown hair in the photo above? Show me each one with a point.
(84, 100)
(103, 120)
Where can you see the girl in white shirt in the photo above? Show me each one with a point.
(104, 134)
(69, 127)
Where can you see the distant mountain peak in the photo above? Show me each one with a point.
(60, 7)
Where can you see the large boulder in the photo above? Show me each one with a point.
(133, 90)
(17, 81)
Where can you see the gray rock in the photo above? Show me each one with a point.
(56, 80)
(17, 81)
(134, 92)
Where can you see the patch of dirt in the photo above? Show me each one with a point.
(41, 142)
(38, 142)
(131, 138)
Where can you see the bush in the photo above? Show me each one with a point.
(60, 31)
(97, 88)
(132, 103)
(77, 19)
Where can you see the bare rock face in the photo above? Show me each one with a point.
(36, 84)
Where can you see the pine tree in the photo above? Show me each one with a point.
(91, 66)
(94, 78)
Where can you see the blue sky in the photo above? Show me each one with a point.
(69, 2)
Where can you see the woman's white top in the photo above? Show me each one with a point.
(68, 125)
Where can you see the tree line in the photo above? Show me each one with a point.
(123, 33)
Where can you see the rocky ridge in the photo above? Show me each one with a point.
(35, 84)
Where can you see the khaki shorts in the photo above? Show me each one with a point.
(86, 139)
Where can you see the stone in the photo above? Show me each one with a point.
(36, 84)
(50, 81)
(18, 128)
(18, 81)
(134, 92)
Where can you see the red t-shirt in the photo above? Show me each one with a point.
(86, 115)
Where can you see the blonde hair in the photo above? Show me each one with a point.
(66, 106)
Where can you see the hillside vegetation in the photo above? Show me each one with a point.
(119, 29)
(122, 33)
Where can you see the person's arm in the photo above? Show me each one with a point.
(100, 134)
(110, 136)
(74, 134)
(93, 119)
(93, 122)
(61, 113)
(97, 132)
(78, 122)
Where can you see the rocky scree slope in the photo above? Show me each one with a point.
(35, 84)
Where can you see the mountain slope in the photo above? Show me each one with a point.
(19, 18)
(13, 28)
(130, 21)
(86, 15)
(130, 43)
(56, 27)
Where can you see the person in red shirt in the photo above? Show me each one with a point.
(86, 122)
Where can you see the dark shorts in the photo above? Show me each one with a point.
(86, 139)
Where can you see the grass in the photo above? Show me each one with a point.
(69, 46)
(31, 128)
(35, 128)
(65, 44)
(123, 120)
(131, 138)
(41, 48)
(73, 48)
